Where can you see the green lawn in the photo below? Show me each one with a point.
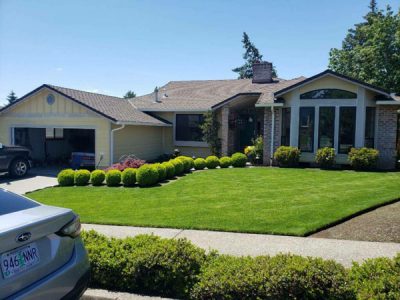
(262, 200)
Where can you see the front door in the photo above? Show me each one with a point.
(246, 126)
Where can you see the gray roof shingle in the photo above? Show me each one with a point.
(203, 94)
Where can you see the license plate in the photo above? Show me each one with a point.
(19, 260)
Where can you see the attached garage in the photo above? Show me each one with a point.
(63, 126)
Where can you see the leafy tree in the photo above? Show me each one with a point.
(11, 98)
(210, 129)
(251, 55)
(130, 94)
(371, 50)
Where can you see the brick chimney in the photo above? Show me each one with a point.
(262, 72)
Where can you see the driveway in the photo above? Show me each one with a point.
(39, 178)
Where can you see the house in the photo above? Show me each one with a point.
(325, 110)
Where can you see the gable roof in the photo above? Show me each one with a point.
(202, 95)
(115, 109)
(335, 74)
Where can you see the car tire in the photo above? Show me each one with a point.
(19, 168)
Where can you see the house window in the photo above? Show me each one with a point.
(187, 127)
(306, 129)
(369, 140)
(326, 130)
(285, 132)
(347, 129)
(329, 94)
(54, 133)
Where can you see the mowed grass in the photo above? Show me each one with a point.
(260, 200)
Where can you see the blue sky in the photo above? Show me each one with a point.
(113, 46)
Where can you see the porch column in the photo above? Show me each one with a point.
(224, 130)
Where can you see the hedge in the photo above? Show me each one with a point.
(151, 265)
(179, 166)
(113, 178)
(199, 163)
(147, 175)
(212, 162)
(287, 156)
(187, 162)
(170, 169)
(239, 160)
(128, 177)
(363, 158)
(66, 177)
(325, 157)
(162, 171)
(97, 177)
(225, 162)
(81, 177)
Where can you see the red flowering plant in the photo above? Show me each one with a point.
(127, 163)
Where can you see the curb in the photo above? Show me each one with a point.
(97, 294)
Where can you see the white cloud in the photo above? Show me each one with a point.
(59, 69)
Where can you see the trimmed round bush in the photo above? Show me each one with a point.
(66, 177)
(199, 163)
(363, 158)
(97, 177)
(278, 277)
(113, 178)
(147, 175)
(212, 162)
(186, 163)
(287, 156)
(128, 177)
(325, 157)
(144, 264)
(170, 169)
(239, 160)
(82, 177)
(162, 171)
(179, 166)
(225, 162)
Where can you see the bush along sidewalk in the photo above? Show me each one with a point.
(151, 265)
(147, 174)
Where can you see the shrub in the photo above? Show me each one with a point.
(199, 163)
(97, 177)
(179, 166)
(279, 277)
(147, 175)
(363, 158)
(170, 169)
(325, 157)
(212, 162)
(187, 164)
(377, 278)
(162, 171)
(225, 162)
(66, 177)
(113, 178)
(239, 160)
(287, 156)
(129, 177)
(144, 264)
(81, 177)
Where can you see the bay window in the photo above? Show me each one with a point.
(306, 129)
(187, 127)
(326, 126)
(347, 129)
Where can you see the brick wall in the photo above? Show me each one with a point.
(267, 133)
(386, 135)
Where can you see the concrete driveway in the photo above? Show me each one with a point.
(38, 178)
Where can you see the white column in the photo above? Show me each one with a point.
(360, 118)
(294, 119)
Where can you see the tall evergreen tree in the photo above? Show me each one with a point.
(371, 50)
(130, 94)
(251, 55)
(11, 98)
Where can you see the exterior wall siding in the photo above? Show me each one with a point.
(36, 113)
(386, 135)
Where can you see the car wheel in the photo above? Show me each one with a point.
(19, 168)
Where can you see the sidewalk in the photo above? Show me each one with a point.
(342, 251)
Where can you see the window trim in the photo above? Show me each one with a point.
(354, 131)
(354, 95)
(313, 130)
(289, 112)
(319, 125)
(201, 144)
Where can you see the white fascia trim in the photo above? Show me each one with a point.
(387, 102)
(175, 110)
(269, 105)
(142, 124)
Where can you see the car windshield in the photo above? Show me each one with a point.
(10, 203)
